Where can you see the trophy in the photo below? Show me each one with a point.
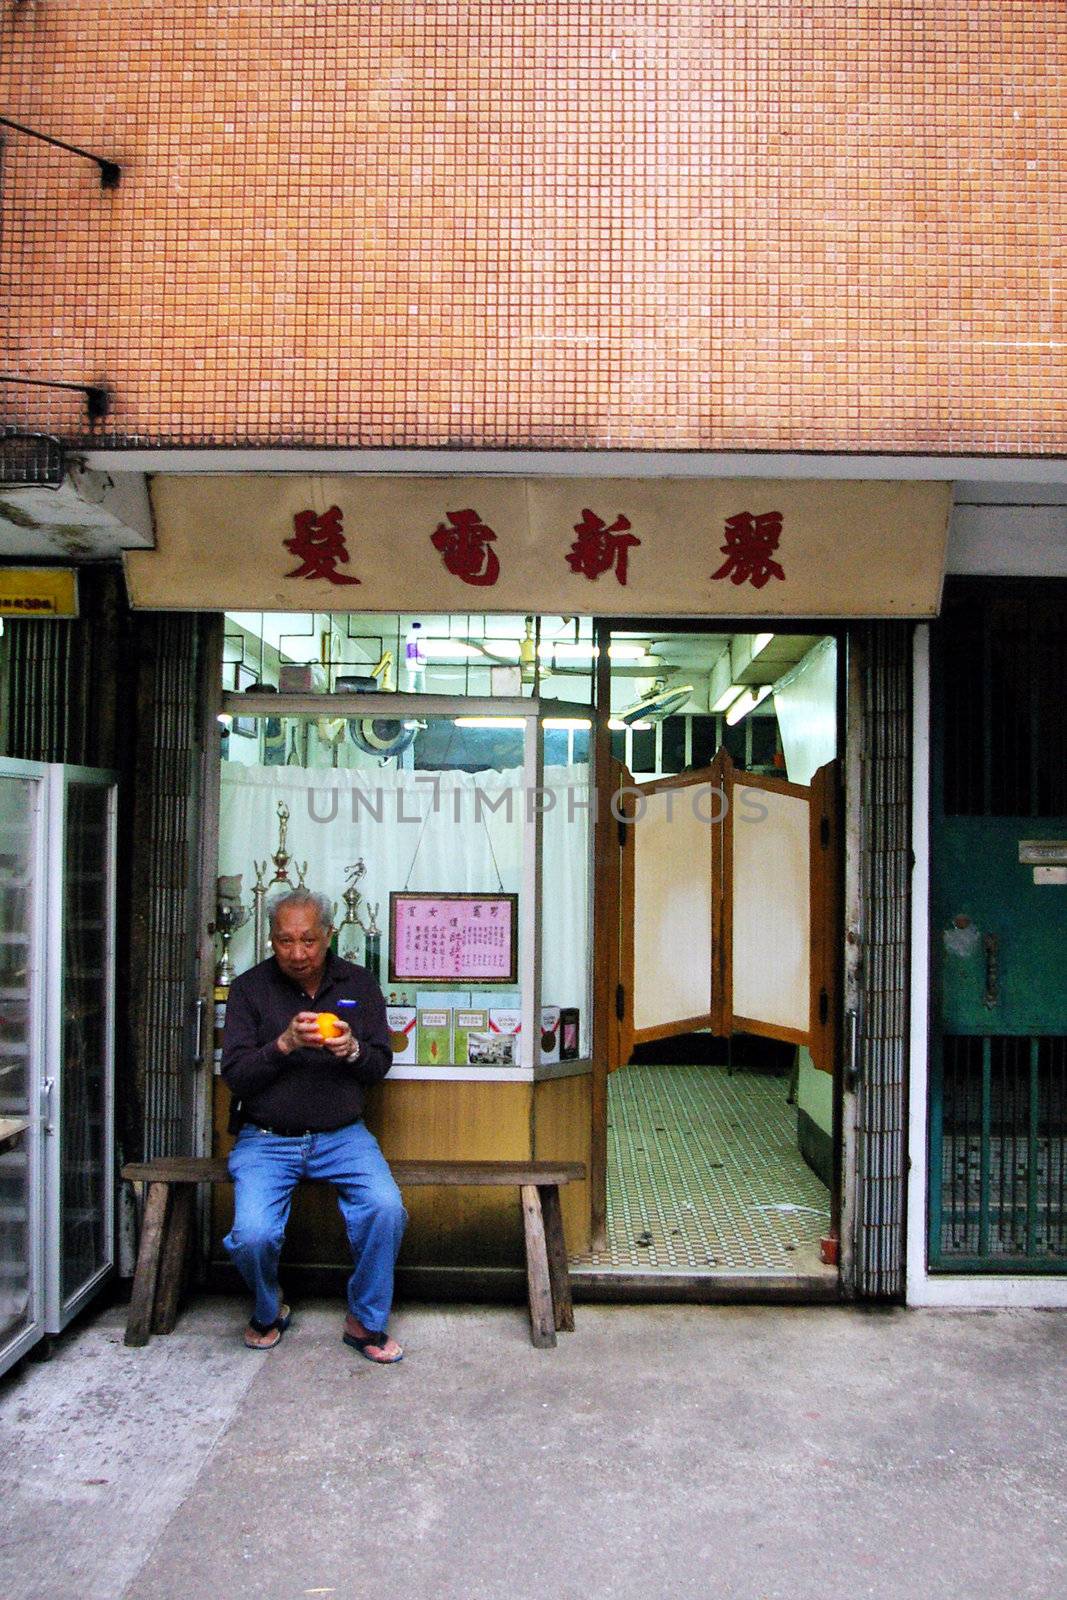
(230, 914)
(359, 940)
(372, 945)
(281, 859)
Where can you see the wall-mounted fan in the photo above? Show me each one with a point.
(383, 737)
(656, 703)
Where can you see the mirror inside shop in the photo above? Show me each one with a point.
(676, 697)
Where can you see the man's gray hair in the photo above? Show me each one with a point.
(301, 898)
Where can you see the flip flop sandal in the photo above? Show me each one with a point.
(279, 1325)
(372, 1339)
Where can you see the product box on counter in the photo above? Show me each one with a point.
(401, 1021)
(498, 1045)
(549, 1034)
(435, 1036)
(465, 1021)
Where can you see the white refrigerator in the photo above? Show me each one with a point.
(57, 1027)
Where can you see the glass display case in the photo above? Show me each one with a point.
(80, 1037)
(57, 904)
(444, 836)
(23, 811)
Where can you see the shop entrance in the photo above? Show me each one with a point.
(432, 777)
(653, 807)
(723, 897)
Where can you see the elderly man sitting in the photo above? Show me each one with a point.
(298, 1112)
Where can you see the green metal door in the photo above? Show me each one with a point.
(998, 1102)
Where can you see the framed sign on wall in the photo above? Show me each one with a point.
(453, 938)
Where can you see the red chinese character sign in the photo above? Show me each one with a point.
(599, 548)
(465, 548)
(749, 549)
(319, 540)
(560, 545)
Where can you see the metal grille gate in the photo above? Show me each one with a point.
(62, 679)
(1000, 1121)
(880, 1057)
(998, 1071)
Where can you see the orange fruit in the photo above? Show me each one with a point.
(329, 1025)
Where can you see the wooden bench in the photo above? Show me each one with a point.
(170, 1204)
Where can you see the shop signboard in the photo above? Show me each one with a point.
(445, 938)
(38, 592)
(569, 546)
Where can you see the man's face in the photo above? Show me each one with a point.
(300, 942)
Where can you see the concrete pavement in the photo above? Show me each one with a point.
(749, 1452)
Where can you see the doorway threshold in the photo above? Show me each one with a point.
(629, 1284)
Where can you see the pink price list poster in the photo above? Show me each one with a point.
(448, 938)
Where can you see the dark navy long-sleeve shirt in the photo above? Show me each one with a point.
(310, 1089)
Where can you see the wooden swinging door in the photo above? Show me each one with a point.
(668, 848)
(685, 953)
(728, 909)
(778, 906)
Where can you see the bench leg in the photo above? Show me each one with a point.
(559, 1277)
(538, 1282)
(171, 1278)
(143, 1297)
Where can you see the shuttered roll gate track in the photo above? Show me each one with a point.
(880, 995)
(166, 849)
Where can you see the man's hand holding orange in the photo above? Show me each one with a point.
(337, 1036)
(303, 1033)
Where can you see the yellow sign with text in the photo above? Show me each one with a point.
(690, 547)
(38, 592)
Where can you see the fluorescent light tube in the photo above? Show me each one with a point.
(728, 696)
(569, 650)
(490, 722)
(628, 652)
(748, 702)
(446, 650)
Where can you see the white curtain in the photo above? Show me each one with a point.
(806, 707)
(419, 835)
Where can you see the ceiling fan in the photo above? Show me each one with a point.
(662, 700)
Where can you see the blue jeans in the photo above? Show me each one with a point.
(266, 1169)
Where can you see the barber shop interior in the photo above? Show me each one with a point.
(456, 837)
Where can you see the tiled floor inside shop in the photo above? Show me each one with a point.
(704, 1173)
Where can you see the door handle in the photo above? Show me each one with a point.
(198, 1037)
(991, 945)
(852, 1050)
(48, 1086)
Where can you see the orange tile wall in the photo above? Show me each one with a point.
(829, 225)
